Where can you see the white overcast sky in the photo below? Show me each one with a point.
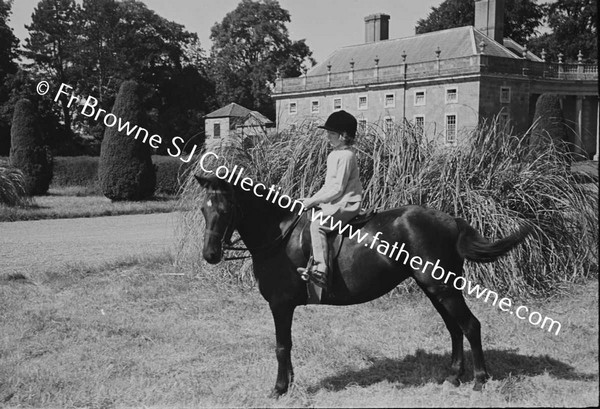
(325, 24)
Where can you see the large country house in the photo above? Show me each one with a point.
(444, 83)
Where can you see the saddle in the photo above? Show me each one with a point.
(334, 244)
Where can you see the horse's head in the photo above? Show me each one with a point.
(221, 215)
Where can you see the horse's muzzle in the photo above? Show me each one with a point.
(212, 256)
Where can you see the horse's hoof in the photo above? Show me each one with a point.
(276, 394)
(478, 386)
(452, 380)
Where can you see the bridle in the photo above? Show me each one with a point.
(227, 244)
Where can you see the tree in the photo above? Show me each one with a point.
(8, 53)
(52, 45)
(27, 152)
(125, 169)
(249, 46)
(574, 25)
(521, 17)
(8, 42)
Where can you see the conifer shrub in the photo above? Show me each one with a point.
(27, 153)
(549, 123)
(125, 169)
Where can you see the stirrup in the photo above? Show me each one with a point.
(305, 271)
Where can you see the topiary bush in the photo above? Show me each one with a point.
(27, 152)
(125, 169)
(549, 123)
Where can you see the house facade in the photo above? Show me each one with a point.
(443, 83)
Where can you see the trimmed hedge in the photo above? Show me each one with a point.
(83, 171)
(170, 174)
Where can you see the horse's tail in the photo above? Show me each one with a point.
(474, 247)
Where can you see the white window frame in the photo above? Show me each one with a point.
(361, 125)
(312, 106)
(337, 108)
(503, 100)
(366, 97)
(295, 105)
(417, 91)
(385, 101)
(415, 122)
(449, 114)
(392, 120)
(455, 92)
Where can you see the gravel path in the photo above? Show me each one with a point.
(45, 245)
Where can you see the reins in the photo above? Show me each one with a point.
(226, 244)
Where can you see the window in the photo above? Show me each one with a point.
(216, 130)
(389, 124)
(505, 95)
(390, 100)
(451, 95)
(337, 104)
(362, 126)
(314, 107)
(293, 108)
(419, 125)
(362, 102)
(420, 97)
(450, 128)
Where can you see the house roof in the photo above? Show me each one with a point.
(231, 110)
(453, 43)
(259, 117)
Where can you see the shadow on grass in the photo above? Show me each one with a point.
(423, 367)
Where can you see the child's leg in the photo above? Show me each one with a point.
(318, 234)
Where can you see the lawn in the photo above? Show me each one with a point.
(69, 202)
(144, 333)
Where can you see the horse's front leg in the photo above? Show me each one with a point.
(283, 314)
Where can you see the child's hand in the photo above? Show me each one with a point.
(308, 203)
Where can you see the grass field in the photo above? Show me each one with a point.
(69, 202)
(143, 333)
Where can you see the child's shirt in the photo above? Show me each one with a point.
(342, 184)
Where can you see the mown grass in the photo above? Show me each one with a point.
(497, 182)
(71, 202)
(139, 333)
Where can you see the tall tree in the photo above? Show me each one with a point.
(521, 17)
(574, 25)
(249, 46)
(52, 45)
(8, 42)
(8, 53)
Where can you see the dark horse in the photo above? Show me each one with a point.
(279, 245)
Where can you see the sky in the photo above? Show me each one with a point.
(325, 24)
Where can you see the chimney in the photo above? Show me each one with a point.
(377, 27)
(489, 18)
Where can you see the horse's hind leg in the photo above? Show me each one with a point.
(458, 363)
(454, 304)
(283, 315)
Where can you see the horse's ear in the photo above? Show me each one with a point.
(203, 181)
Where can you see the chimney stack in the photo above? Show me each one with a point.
(489, 18)
(377, 27)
